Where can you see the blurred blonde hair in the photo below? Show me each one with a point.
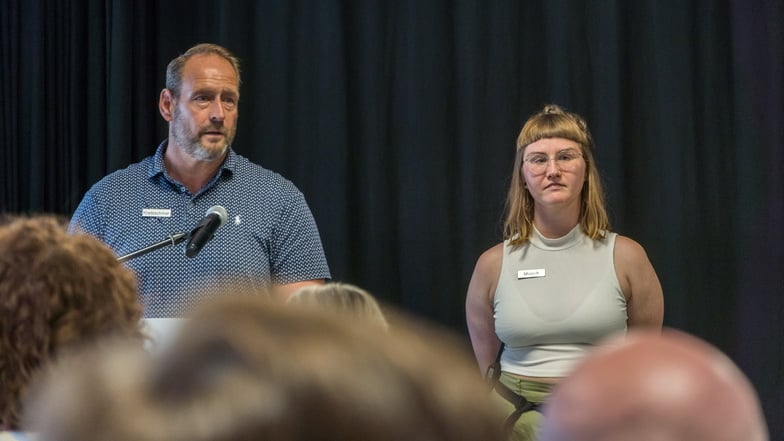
(343, 298)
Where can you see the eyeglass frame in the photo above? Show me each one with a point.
(538, 155)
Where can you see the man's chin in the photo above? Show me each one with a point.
(212, 151)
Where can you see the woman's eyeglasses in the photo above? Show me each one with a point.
(567, 160)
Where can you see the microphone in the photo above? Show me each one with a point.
(203, 233)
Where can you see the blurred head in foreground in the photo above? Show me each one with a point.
(246, 368)
(650, 386)
(57, 291)
(342, 298)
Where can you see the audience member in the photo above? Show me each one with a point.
(650, 386)
(246, 368)
(343, 298)
(57, 291)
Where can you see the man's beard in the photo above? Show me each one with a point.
(191, 142)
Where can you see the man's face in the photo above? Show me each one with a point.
(204, 116)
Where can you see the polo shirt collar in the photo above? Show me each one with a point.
(158, 167)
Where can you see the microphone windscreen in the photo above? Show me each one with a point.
(220, 211)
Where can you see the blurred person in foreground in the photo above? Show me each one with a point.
(668, 386)
(57, 292)
(247, 368)
(349, 300)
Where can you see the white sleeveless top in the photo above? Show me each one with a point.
(555, 300)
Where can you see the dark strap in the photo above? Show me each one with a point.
(493, 372)
(521, 404)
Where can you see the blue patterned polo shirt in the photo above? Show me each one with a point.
(270, 235)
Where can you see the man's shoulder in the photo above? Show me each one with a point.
(131, 171)
(246, 169)
(120, 181)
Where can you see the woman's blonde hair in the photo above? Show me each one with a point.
(554, 122)
(342, 298)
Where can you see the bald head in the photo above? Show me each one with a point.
(648, 386)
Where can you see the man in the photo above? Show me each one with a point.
(652, 386)
(270, 236)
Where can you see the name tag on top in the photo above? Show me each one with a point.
(530, 273)
(156, 212)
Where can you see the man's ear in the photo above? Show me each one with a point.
(166, 104)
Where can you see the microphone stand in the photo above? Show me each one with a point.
(173, 239)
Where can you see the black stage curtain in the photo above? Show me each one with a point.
(398, 121)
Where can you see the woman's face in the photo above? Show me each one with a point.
(554, 172)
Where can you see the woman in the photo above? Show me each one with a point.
(57, 292)
(561, 281)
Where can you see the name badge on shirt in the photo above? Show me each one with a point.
(530, 273)
(156, 212)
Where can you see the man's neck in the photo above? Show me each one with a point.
(191, 172)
